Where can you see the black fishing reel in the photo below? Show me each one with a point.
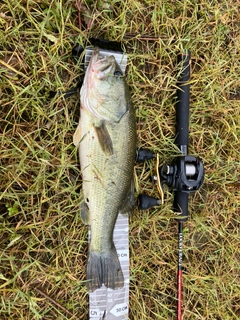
(185, 174)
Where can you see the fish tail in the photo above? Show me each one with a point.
(104, 268)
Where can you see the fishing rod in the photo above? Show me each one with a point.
(186, 173)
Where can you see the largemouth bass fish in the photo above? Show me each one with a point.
(106, 136)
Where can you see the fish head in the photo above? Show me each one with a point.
(103, 92)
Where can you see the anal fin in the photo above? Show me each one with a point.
(84, 211)
(128, 204)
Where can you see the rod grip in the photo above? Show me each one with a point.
(180, 205)
(182, 105)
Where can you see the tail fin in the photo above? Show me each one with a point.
(104, 268)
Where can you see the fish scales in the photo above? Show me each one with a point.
(108, 173)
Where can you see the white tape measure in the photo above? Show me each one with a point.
(105, 303)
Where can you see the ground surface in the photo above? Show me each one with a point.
(43, 243)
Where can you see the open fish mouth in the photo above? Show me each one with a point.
(106, 71)
(102, 67)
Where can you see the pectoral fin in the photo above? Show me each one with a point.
(77, 135)
(104, 138)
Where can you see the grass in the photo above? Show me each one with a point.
(43, 243)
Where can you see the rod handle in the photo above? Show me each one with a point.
(182, 105)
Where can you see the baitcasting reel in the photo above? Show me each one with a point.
(185, 174)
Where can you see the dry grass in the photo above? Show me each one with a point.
(43, 243)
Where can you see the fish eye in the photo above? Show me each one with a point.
(118, 73)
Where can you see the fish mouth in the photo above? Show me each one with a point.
(102, 67)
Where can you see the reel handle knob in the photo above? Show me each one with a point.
(144, 155)
(147, 202)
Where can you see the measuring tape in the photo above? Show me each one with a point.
(105, 303)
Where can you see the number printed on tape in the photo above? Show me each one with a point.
(119, 309)
(122, 255)
(95, 313)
